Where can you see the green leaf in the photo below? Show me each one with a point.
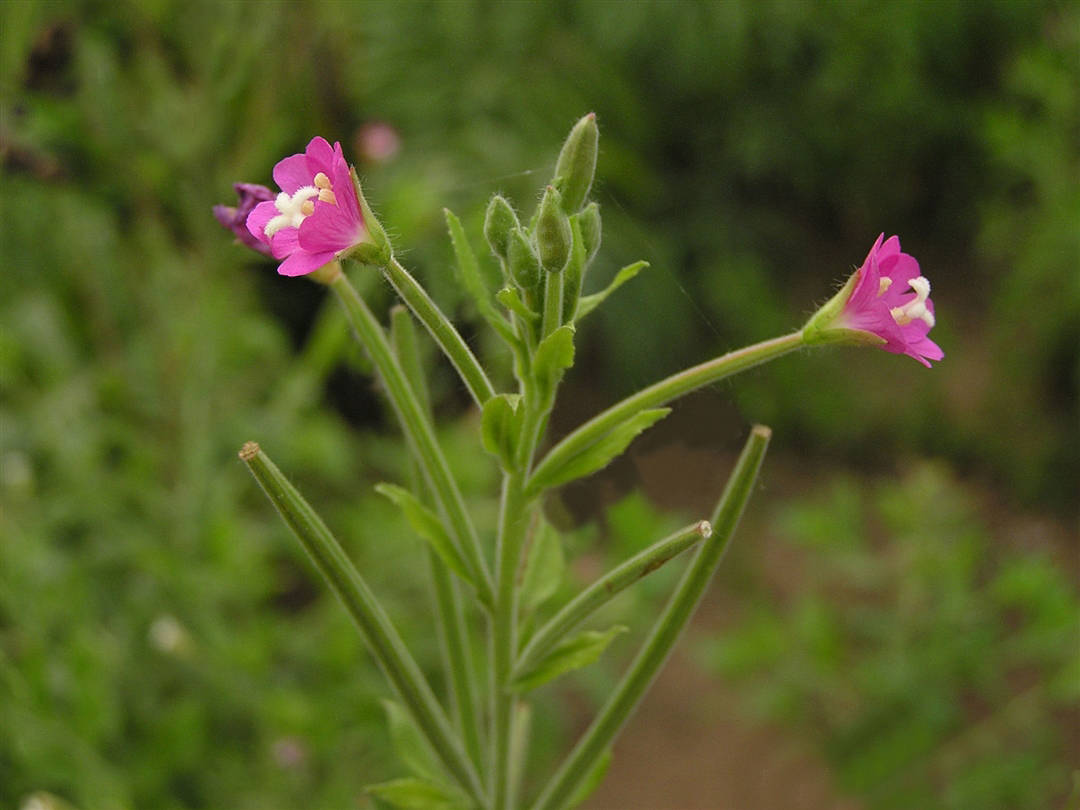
(599, 454)
(472, 279)
(428, 526)
(544, 567)
(591, 781)
(574, 653)
(500, 427)
(590, 302)
(554, 356)
(409, 744)
(418, 794)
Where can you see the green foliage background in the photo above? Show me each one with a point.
(750, 151)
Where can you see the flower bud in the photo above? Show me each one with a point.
(553, 235)
(577, 164)
(520, 256)
(499, 221)
(589, 220)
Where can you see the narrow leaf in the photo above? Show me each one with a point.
(597, 455)
(544, 567)
(591, 781)
(588, 303)
(500, 427)
(554, 356)
(409, 744)
(418, 794)
(579, 651)
(471, 277)
(425, 523)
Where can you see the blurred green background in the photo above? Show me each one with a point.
(902, 602)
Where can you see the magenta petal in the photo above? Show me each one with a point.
(330, 228)
(319, 157)
(284, 242)
(301, 263)
(257, 220)
(291, 173)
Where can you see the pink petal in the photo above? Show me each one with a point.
(319, 156)
(301, 263)
(330, 228)
(257, 220)
(284, 242)
(292, 172)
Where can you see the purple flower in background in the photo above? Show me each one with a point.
(235, 219)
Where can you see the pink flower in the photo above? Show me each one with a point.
(235, 219)
(886, 302)
(316, 218)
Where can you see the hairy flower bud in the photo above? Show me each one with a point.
(553, 235)
(576, 166)
(589, 220)
(522, 260)
(499, 221)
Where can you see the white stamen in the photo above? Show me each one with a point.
(883, 284)
(291, 208)
(916, 309)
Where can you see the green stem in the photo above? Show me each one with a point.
(664, 391)
(448, 338)
(605, 589)
(656, 649)
(380, 635)
(453, 630)
(513, 523)
(553, 303)
(418, 432)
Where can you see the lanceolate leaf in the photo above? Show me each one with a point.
(417, 794)
(409, 744)
(574, 653)
(471, 278)
(554, 356)
(591, 781)
(544, 567)
(428, 526)
(598, 455)
(500, 427)
(588, 303)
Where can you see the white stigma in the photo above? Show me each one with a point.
(916, 309)
(292, 209)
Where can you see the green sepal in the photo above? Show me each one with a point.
(425, 523)
(822, 326)
(597, 455)
(383, 252)
(553, 357)
(588, 303)
(418, 794)
(545, 566)
(500, 427)
(523, 262)
(574, 653)
(409, 744)
(576, 166)
(552, 233)
(499, 222)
